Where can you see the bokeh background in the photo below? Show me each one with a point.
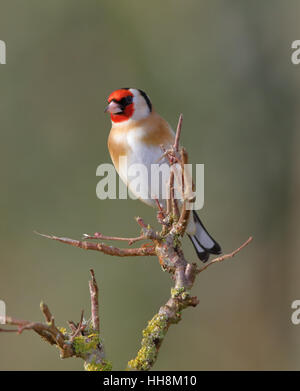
(227, 66)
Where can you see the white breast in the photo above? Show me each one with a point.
(141, 154)
(139, 162)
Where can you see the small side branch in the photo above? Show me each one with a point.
(84, 339)
(225, 256)
(94, 302)
(178, 133)
(99, 236)
(109, 250)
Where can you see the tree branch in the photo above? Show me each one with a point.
(225, 256)
(84, 339)
(109, 250)
(98, 235)
(178, 133)
(94, 302)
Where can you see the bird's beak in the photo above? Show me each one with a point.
(113, 108)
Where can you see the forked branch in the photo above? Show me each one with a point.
(84, 339)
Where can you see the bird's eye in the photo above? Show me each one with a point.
(127, 100)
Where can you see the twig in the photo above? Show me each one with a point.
(168, 208)
(94, 302)
(98, 235)
(46, 312)
(225, 256)
(168, 153)
(173, 201)
(185, 212)
(79, 328)
(83, 341)
(178, 133)
(109, 250)
(48, 332)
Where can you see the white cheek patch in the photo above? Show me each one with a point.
(141, 109)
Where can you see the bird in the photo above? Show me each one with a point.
(137, 134)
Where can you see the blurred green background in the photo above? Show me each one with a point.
(227, 66)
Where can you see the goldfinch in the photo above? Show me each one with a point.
(137, 134)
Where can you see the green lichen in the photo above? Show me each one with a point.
(180, 292)
(175, 292)
(177, 241)
(105, 365)
(63, 330)
(152, 338)
(84, 344)
(89, 329)
(185, 295)
(173, 218)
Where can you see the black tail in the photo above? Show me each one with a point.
(203, 243)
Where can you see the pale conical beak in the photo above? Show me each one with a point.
(113, 108)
